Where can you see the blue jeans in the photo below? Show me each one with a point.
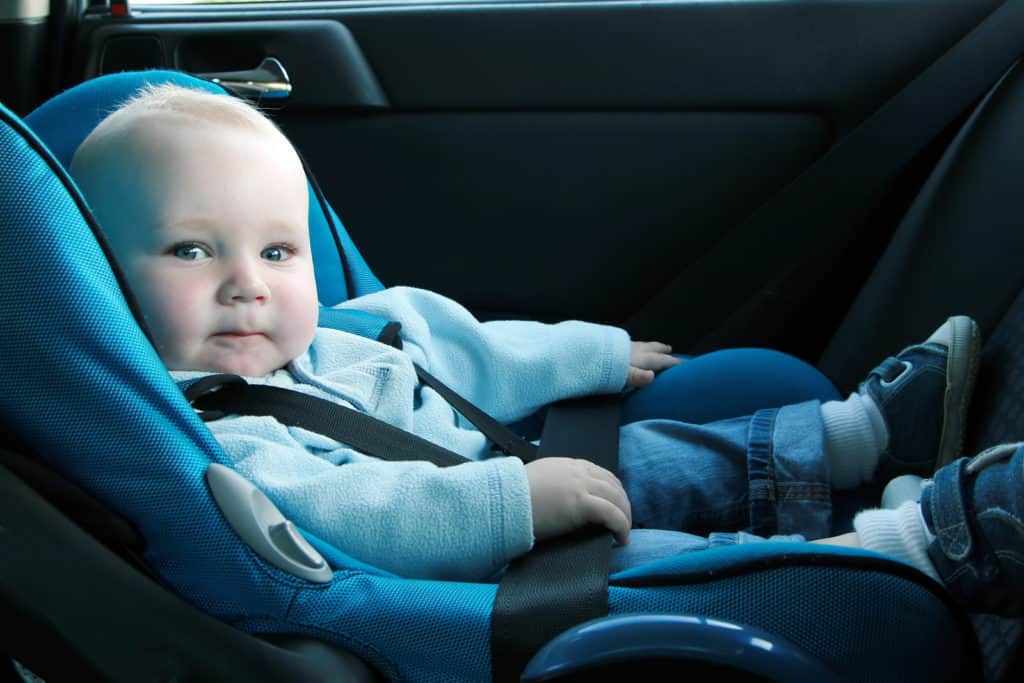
(764, 474)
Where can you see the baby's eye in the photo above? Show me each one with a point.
(190, 251)
(278, 252)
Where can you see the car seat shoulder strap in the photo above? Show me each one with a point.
(216, 396)
(504, 439)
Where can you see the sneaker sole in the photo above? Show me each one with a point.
(962, 363)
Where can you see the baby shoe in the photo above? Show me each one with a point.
(923, 393)
(975, 509)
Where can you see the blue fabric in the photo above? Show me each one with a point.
(652, 545)
(728, 383)
(865, 623)
(64, 121)
(351, 320)
(331, 284)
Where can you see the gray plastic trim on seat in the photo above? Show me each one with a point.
(262, 526)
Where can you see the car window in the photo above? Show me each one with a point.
(198, 2)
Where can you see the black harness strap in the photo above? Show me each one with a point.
(219, 395)
(506, 441)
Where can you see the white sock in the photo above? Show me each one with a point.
(901, 533)
(877, 421)
(855, 436)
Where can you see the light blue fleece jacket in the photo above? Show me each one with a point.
(412, 518)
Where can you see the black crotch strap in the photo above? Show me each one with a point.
(563, 581)
(216, 396)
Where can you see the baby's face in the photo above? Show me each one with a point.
(214, 241)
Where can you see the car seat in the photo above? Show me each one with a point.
(90, 399)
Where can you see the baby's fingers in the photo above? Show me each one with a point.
(652, 356)
(613, 492)
(598, 510)
(653, 346)
(639, 377)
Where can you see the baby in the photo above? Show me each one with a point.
(204, 203)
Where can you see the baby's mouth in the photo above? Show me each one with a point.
(238, 334)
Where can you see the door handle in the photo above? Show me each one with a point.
(267, 81)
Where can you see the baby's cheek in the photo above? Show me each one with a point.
(302, 316)
(175, 318)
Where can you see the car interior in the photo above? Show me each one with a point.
(826, 178)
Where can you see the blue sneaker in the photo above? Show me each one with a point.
(923, 394)
(975, 509)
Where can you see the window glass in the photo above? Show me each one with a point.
(196, 2)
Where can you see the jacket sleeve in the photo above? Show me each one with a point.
(509, 368)
(409, 518)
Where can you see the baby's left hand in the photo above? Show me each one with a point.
(645, 359)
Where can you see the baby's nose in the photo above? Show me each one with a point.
(244, 285)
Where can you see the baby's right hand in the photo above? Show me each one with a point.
(568, 493)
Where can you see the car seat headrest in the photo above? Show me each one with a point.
(65, 120)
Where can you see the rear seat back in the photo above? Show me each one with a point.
(957, 250)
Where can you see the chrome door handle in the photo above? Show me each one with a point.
(267, 81)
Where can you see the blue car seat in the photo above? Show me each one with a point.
(87, 394)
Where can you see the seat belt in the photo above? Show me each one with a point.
(818, 210)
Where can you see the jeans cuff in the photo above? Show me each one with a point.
(760, 473)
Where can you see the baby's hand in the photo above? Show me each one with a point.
(647, 358)
(568, 493)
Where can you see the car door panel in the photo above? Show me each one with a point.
(564, 160)
(533, 195)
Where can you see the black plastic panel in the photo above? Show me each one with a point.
(23, 45)
(132, 53)
(839, 58)
(565, 215)
(958, 250)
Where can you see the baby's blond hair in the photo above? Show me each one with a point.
(199, 106)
